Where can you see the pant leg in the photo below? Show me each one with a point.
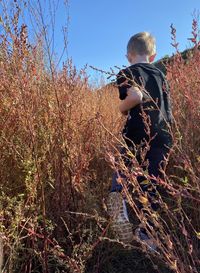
(156, 157)
(115, 186)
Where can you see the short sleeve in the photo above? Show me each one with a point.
(123, 83)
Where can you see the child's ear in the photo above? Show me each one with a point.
(129, 57)
(152, 57)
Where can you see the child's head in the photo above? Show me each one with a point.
(141, 44)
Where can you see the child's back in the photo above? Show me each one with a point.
(155, 108)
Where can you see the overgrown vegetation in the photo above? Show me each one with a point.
(58, 140)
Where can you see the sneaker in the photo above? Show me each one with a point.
(117, 210)
(143, 236)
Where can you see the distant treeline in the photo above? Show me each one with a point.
(186, 54)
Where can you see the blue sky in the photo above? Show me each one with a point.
(99, 30)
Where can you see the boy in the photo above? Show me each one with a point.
(144, 92)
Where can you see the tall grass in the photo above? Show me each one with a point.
(58, 140)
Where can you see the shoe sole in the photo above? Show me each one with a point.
(120, 223)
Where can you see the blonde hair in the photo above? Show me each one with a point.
(142, 43)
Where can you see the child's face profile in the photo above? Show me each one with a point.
(130, 57)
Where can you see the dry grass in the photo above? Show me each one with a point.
(57, 142)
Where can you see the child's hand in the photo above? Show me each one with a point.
(134, 90)
(134, 97)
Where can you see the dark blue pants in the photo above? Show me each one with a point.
(155, 157)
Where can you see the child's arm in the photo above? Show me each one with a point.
(133, 98)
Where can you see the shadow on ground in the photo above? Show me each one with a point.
(113, 257)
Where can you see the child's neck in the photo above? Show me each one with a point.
(140, 59)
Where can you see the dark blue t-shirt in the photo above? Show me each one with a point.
(154, 109)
